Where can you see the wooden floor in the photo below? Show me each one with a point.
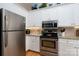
(32, 53)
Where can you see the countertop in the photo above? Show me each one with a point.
(74, 38)
(33, 35)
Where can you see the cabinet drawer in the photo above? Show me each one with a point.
(63, 40)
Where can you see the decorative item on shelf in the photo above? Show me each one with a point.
(27, 31)
(43, 5)
(38, 5)
(63, 30)
(54, 4)
(50, 4)
(58, 3)
(34, 6)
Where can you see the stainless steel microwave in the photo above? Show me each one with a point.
(50, 24)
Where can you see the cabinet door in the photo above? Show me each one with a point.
(28, 41)
(66, 48)
(78, 52)
(71, 50)
(31, 43)
(35, 44)
(67, 51)
(62, 46)
(65, 16)
(27, 47)
(34, 19)
(76, 45)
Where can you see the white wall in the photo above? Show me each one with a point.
(63, 13)
(14, 8)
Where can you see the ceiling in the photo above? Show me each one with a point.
(26, 6)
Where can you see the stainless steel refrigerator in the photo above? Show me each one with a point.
(12, 42)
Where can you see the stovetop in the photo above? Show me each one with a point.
(48, 37)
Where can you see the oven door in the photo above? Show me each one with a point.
(50, 45)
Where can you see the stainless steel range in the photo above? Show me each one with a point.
(49, 38)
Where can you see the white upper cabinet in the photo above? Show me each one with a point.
(50, 14)
(65, 16)
(34, 19)
(76, 13)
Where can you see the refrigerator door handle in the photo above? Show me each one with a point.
(6, 39)
(6, 21)
(6, 33)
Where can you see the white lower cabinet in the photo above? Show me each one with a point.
(33, 43)
(76, 44)
(78, 52)
(66, 48)
(27, 43)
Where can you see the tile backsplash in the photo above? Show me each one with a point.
(35, 30)
(70, 32)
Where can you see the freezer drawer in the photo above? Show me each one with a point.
(15, 44)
